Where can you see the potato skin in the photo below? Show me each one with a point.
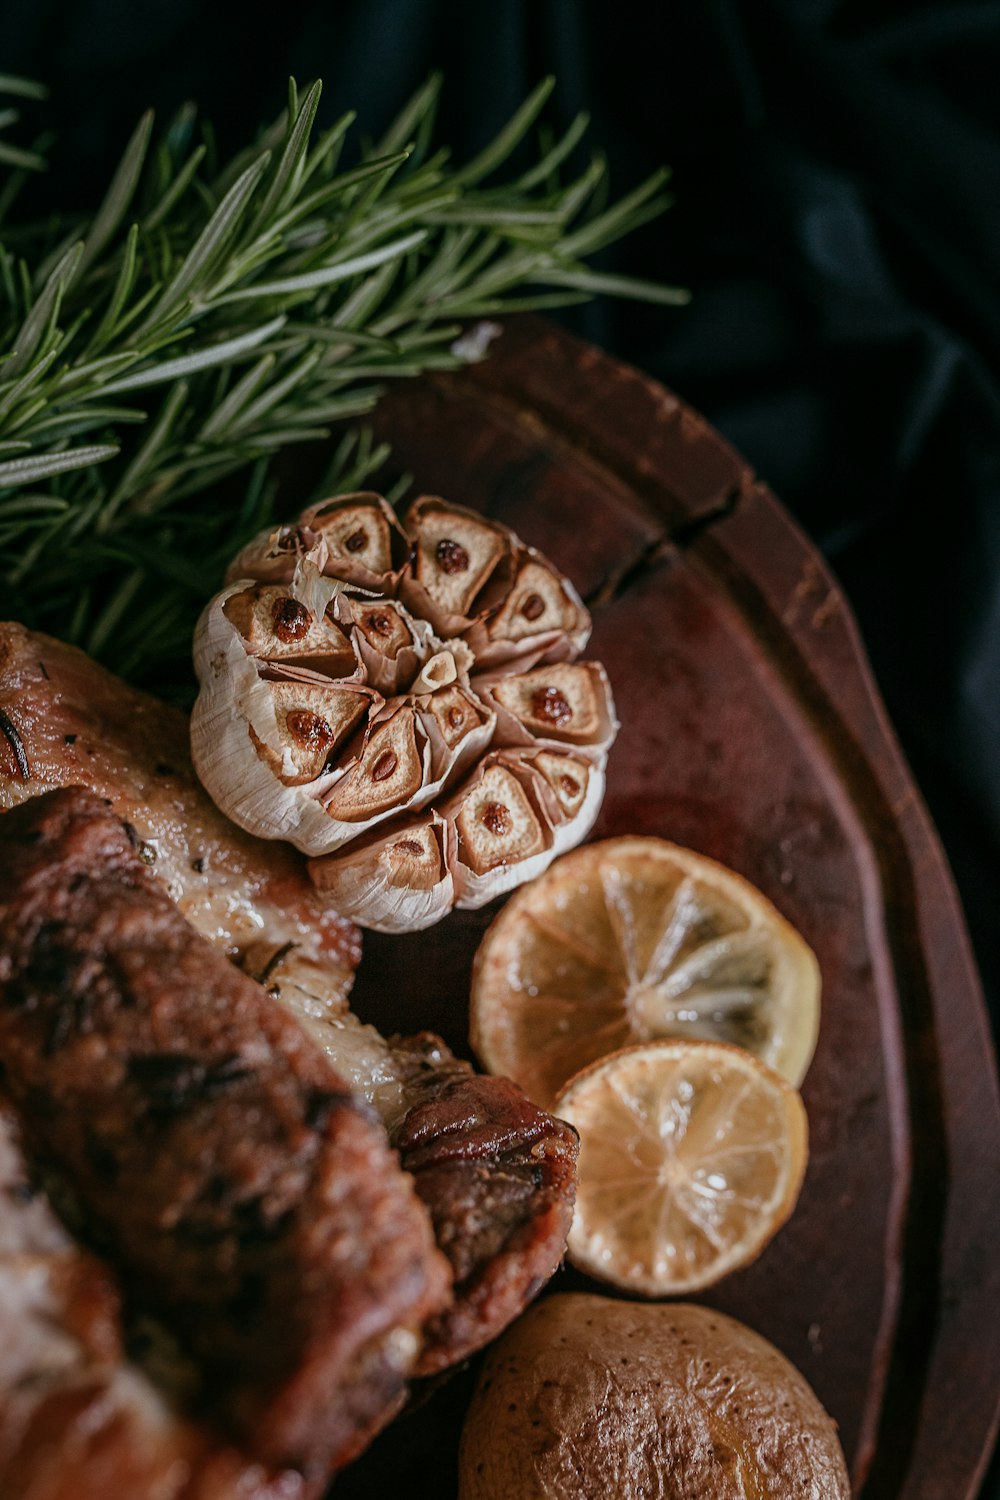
(589, 1398)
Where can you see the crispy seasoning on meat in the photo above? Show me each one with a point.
(244, 1190)
(78, 1421)
(499, 1178)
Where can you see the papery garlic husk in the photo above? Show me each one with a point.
(454, 553)
(396, 882)
(403, 702)
(355, 538)
(390, 644)
(238, 742)
(510, 825)
(561, 703)
(528, 613)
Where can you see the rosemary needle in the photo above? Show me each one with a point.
(208, 316)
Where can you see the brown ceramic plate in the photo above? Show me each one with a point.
(752, 731)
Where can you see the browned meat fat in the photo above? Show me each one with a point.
(237, 1183)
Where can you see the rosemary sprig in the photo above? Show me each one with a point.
(10, 155)
(210, 315)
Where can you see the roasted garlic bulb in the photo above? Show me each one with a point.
(403, 702)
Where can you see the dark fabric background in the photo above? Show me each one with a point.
(837, 175)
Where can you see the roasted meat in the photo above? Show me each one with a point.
(498, 1177)
(78, 1420)
(66, 721)
(244, 1190)
(70, 723)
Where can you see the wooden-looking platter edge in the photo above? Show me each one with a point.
(753, 731)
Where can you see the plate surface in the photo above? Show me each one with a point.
(752, 731)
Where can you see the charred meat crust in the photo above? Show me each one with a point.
(241, 1188)
(77, 1420)
(498, 1176)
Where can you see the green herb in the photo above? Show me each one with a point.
(209, 316)
(10, 155)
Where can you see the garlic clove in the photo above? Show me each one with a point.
(456, 713)
(391, 645)
(527, 613)
(438, 672)
(537, 603)
(540, 827)
(459, 729)
(570, 790)
(356, 532)
(350, 537)
(278, 627)
(272, 555)
(236, 741)
(397, 882)
(415, 858)
(313, 721)
(574, 826)
(565, 702)
(455, 551)
(496, 822)
(387, 776)
(568, 778)
(502, 835)
(383, 627)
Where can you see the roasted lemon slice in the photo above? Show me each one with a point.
(631, 940)
(691, 1157)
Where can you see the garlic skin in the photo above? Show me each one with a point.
(251, 762)
(562, 703)
(234, 720)
(402, 701)
(397, 882)
(355, 538)
(372, 884)
(484, 869)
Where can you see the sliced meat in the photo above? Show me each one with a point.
(73, 721)
(78, 1421)
(497, 1174)
(245, 1191)
(499, 1178)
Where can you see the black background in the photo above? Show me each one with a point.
(837, 180)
